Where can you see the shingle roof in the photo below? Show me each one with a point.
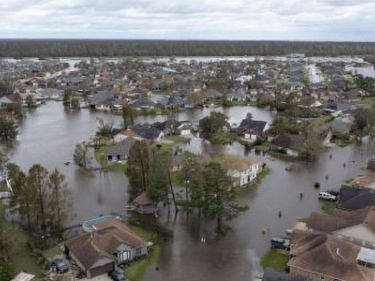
(327, 255)
(88, 248)
(121, 148)
(342, 219)
(254, 125)
(354, 198)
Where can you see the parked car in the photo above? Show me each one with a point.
(326, 196)
(60, 266)
(280, 243)
(116, 275)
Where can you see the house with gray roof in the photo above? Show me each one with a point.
(119, 151)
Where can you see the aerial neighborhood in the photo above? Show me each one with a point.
(152, 157)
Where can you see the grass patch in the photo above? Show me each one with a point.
(265, 146)
(163, 147)
(321, 121)
(86, 173)
(53, 252)
(99, 156)
(305, 220)
(176, 138)
(21, 256)
(137, 270)
(274, 260)
(349, 181)
(118, 168)
(327, 207)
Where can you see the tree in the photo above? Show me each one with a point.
(128, 115)
(67, 96)
(8, 128)
(138, 170)
(6, 271)
(38, 181)
(23, 195)
(30, 101)
(364, 119)
(60, 199)
(80, 155)
(158, 190)
(213, 124)
(219, 198)
(105, 128)
(6, 86)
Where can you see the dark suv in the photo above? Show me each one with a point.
(116, 275)
(280, 243)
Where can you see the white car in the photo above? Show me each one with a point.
(326, 196)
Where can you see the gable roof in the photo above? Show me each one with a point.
(342, 219)
(324, 254)
(102, 97)
(121, 148)
(142, 199)
(354, 198)
(146, 131)
(88, 248)
(254, 125)
(289, 141)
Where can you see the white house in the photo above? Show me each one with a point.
(242, 170)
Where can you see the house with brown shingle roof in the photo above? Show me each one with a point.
(321, 256)
(356, 226)
(112, 242)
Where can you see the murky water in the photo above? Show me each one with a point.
(49, 134)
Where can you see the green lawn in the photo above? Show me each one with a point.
(21, 256)
(274, 260)
(137, 270)
(176, 138)
(164, 147)
(99, 156)
(327, 207)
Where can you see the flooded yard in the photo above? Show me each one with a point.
(49, 134)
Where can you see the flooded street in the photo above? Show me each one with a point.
(49, 134)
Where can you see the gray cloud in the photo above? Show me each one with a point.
(177, 19)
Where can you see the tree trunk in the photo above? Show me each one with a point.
(172, 191)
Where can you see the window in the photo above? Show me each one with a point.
(138, 251)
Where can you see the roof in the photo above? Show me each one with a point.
(272, 275)
(103, 97)
(354, 198)
(142, 199)
(88, 248)
(213, 94)
(230, 162)
(288, 141)
(146, 131)
(342, 219)
(254, 125)
(327, 255)
(121, 148)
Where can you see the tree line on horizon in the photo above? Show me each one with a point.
(115, 48)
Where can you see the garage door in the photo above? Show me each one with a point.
(101, 269)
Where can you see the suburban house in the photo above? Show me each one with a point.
(321, 256)
(252, 129)
(142, 204)
(354, 198)
(102, 100)
(340, 126)
(5, 101)
(242, 170)
(123, 135)
(184, 129)
(355, 226)
(288, 144)
(111, 242)
(148, 132)
(212, 94)
(119, 151)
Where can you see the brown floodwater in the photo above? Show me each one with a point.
(48, 136)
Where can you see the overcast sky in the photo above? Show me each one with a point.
(333, 20)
